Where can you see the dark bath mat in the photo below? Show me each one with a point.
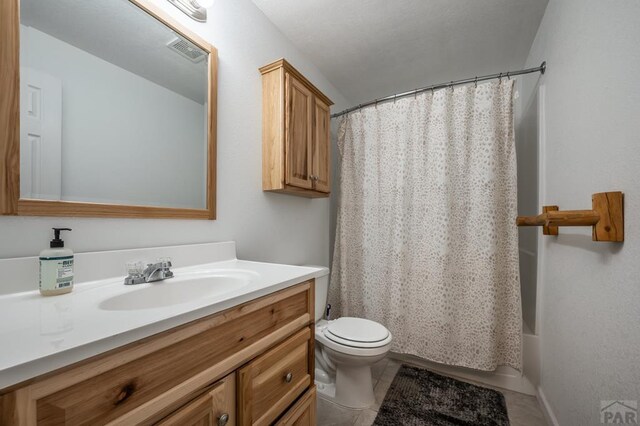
(419, 397)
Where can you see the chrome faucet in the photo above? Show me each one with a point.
(152, 272)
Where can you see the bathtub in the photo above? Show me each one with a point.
(503, 377)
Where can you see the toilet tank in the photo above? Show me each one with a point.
(322, 291)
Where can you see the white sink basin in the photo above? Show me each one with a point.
(188, 287)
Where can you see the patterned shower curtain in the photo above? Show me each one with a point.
(426, 241)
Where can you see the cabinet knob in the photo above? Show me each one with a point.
(223, 419)
(288, 377)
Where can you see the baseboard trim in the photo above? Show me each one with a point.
(546, 408)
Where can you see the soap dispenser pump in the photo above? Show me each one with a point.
(56, 267)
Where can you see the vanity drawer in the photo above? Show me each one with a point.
(147, 380)
(303, 413)
(272, 382)
(216, 406)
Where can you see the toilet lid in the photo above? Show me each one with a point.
(356, 332)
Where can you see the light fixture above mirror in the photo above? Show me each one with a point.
(196, 9)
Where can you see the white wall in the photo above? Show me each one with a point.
(269, 227)
(125, 139)
(590, 295)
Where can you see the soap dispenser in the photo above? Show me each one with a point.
(56, 267)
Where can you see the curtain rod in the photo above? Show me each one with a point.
(541, 69)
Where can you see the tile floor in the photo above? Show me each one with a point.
(523, 409)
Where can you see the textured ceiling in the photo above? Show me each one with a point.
(373, 48)
(120, 33)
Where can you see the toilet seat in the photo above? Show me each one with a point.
(347, 338)
(357, 332)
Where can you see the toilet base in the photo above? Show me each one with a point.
(350, 384)
(354, 387)
(343, 372)
(327, 391)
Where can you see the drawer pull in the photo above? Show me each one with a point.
(223, 419)
(288, 377)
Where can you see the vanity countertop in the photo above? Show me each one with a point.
(40, 334)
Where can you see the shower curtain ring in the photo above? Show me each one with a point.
(500, 77)
(476, 82)
(508, 76)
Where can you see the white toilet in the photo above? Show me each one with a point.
(345, 350)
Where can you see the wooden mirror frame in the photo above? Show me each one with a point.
(10, 201)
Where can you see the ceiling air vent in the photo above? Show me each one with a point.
(186, 50)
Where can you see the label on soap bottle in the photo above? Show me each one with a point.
(56, 272)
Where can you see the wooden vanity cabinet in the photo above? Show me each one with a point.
(249, 365)
(296, 138)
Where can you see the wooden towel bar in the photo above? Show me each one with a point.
(606, 218)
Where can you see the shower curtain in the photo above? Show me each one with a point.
(426, 241)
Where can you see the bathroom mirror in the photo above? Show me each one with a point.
(124, 128)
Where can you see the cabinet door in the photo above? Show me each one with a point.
(216, 407)
(303, 413)
(269, 384)
(321, 169)
(298, 133)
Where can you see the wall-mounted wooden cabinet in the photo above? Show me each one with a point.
(296, 140)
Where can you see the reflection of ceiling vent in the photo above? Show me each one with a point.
(186, 50)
